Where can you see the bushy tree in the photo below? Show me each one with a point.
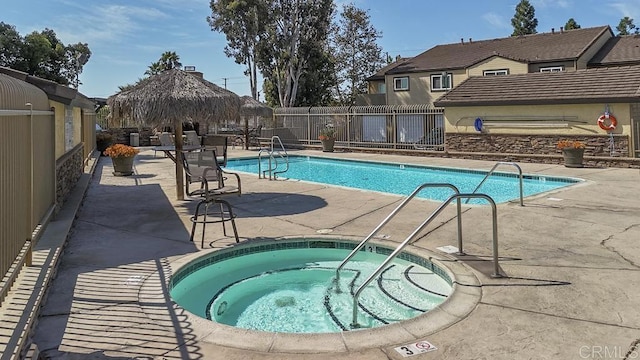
(524, 21)
(356, 53)
(297, 30)
(42, 54)
(242, 21)
(571, 24)
(627, 27)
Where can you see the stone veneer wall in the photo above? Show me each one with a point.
(596, 145)
(123, 135)
(69, 168)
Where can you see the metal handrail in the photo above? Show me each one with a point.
(496, 267)
(491, 172)
(394, 212)
(271, 151)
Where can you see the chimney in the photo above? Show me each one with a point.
(461, 40)
(192, 70)
(553, 30)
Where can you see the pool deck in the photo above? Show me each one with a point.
(571, 259)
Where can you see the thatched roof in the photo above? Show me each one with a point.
(253, 107)
(173, 96)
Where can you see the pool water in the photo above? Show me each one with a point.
(294, 290)
(402, 179)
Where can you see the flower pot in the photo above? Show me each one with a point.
(327, 145)
(122, 165)
(573, 157)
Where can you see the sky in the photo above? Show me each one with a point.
(126, 36)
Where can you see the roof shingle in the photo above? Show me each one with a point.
(543, 47)
(619, 50)
(606, 84)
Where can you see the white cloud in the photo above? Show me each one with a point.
(630, 8)
(496, 20)
(565, 4)
(105, 23)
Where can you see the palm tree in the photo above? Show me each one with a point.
(168, 60)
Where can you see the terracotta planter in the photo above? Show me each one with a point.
(122, 166)
(573, 157)
(327, 145)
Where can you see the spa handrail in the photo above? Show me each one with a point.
(491, 172)
(394, 212)
(496, 267)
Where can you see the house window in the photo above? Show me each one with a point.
(382, 88)
(552, 69)
(401, 83)
(495, 72)
(441, 82)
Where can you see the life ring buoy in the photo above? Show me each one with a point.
(478, 124)
(612, 125)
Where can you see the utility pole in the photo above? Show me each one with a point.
(225, 82)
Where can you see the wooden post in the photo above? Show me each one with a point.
(177, 126)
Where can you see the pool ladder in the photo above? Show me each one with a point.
(491, 172)
(457, 196)
(274, 154)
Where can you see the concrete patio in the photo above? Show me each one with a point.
(571, 260)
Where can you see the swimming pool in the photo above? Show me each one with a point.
(289, 286)
(402, 179)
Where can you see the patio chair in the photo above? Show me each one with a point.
(201, 166)
(219, 144)
(165, 139)
(192, 137)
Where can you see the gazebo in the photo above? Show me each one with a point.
(172, 97)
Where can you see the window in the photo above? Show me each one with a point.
(382, 88)
(495, 72)
(552, 69)
(441, 82)
(401, 83)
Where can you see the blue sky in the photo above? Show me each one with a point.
(126, 36)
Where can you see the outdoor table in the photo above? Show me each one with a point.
(169, 150)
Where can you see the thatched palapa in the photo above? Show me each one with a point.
(172, 97)
(252, 108)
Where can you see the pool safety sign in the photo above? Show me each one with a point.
(416, 348)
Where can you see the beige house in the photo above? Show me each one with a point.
(520, 95)
(427, 76)
(529, 113)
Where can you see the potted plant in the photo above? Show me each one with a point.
(122, 158)
(327, 137)
(573, 152)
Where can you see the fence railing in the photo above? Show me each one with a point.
(27, 194)
(389, 127)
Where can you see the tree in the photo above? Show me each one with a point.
(240, 21)
(627, 27)
(168, 60)
(10, 45)
(356, 53)
(297, 30)
(42, 54)
(524, 21)
(571, 24)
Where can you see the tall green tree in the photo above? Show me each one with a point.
(42, 54)
(168, 60)
(627, 27)
(356, 53)
(296, 30)
(571, 24)
(242, 21)
(524, 20)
